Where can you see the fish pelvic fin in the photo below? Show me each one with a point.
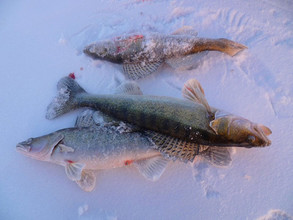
(217, 156)
(87, 181)
(173, 148)
(151, 168)
(73, 170)
(65, 100)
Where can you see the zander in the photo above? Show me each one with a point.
(172, 123)
(95, 145)
(141, 55)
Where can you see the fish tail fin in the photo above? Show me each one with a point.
(218, 156)
(230, 47)
(65, 100)
(223, 45)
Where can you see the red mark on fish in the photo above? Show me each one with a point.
(125, 43)
(71, 75)
(128, 162)
(69, 161)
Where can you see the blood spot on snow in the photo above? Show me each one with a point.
(72, 75)
(128, 162)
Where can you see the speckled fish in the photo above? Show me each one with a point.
(172, 123)
(141, 55)
(93, 145)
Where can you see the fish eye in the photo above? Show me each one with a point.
(251, 139)
(29, 141)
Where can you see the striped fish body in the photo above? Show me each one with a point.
(176, 117)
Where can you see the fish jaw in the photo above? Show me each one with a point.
(39, 148)
(24, 147)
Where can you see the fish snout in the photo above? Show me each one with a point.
(24, 148)
(261, 136)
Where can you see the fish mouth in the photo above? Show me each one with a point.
(23, 148)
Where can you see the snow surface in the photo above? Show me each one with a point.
(41, 41)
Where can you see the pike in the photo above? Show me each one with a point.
(142, 55)
(96, 145)
(173, 124)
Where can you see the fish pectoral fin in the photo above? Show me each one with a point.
(65, 149)
(87, 181)
(185, 30)
(140, 70)
(128, 88)
(218, 156)
(151, 168)
(193, 91)
(74, 170)
(173, 148)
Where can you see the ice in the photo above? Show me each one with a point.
(276, 214)
(42, 41)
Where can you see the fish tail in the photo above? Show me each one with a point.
(223, 45)
(218, 156)
(65, 100)
(230, 47)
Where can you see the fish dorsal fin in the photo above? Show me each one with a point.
(136, 71)
(193, 91)
(218, 156)
(151, 168)
(87, 181)
(185, 30)
(73, 170)
(128, 88)
(65, 149)
(174, 148)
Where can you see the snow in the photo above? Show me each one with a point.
(42, 41)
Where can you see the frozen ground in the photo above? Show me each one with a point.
(41, 42)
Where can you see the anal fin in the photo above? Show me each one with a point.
(152, 168)
(128, 88)
(139, 70)
(87, 181)
(218, 156)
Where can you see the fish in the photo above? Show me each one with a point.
(94, 144)
(142, 55)
(172, 123)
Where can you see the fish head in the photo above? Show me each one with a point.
(239, 131)
(100, 50)
(39, 148)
